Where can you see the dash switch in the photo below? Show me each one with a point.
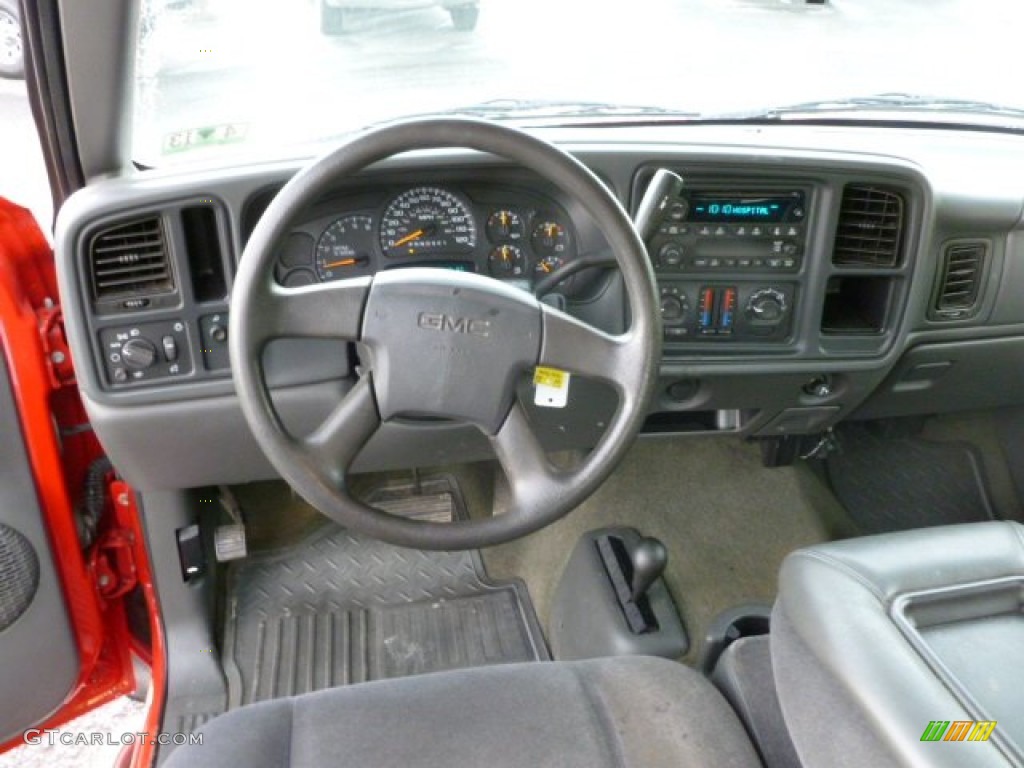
(170, 348)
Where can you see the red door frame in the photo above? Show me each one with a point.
(47, 399)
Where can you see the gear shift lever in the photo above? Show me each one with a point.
(649, 558)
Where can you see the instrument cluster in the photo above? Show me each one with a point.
(509, 234)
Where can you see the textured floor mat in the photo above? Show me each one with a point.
(899, 483)
(339, 609)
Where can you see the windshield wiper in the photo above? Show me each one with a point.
(886, 102)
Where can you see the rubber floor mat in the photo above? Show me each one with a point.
(340, 608)
(899, 483)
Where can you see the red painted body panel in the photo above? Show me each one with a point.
(127, 518)
(60, 448)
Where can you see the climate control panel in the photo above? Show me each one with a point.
(726, 311)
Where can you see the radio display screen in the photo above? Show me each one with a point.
(707, 207)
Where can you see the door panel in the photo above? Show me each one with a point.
(39, 660)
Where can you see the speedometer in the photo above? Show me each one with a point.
(427, 221)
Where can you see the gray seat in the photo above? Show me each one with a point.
(620, 712)
(873, 639)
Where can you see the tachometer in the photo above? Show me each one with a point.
(344, 247)
(426, 221)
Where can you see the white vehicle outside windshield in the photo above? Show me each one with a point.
(217, 76)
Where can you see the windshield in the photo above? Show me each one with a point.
(217, 76)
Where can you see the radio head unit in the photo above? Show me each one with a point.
(731, 230)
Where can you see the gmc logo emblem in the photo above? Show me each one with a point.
(438, 321)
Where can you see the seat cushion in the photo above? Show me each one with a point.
(603, 712)
(874, 638)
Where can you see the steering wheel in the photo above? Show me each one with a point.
(442, 344)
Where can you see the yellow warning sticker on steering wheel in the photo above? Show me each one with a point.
(551, 387)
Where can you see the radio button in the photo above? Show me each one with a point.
(789, 263)
(744, 262)
(721, 231)
(704, 230)
(793, 231)
(757, 230)
(729, 262)
(740, 230)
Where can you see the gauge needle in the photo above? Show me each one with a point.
(350, 262)
(545, 266)
(409, 238)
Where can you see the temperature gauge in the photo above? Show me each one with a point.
(506, 261)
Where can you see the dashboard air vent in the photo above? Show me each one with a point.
(870, 231)
(962, 265)
(130, 260)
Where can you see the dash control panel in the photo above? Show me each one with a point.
(146, 352)
(728, 260)
(735, 311)
(155, 352)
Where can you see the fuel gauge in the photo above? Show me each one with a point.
(504, 225)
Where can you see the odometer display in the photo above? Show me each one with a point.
(427, 221)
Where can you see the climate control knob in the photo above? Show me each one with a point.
(767, 305)
(672, 308)
(138, 353)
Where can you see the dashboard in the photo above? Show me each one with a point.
(806, 275)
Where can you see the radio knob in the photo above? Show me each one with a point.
(766, 305)
(670, 255)
(138, 353)
(678, 210)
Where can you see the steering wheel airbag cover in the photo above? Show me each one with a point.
(446, 344)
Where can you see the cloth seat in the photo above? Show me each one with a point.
(622, 712)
